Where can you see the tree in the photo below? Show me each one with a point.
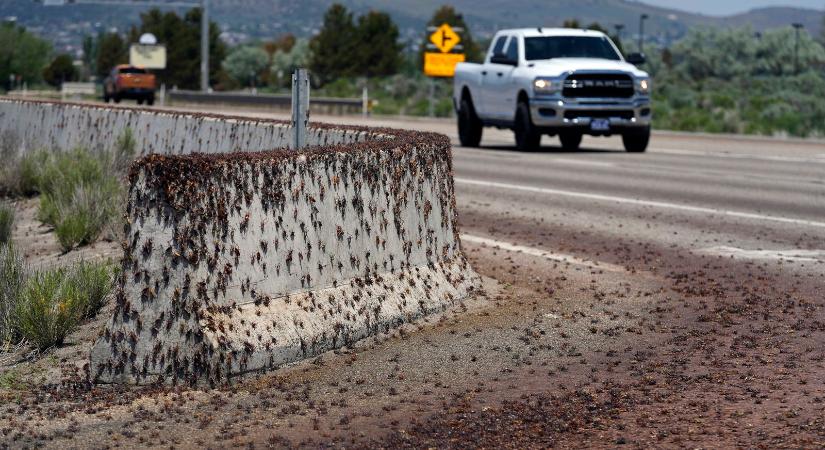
(332, 48)
(285, 62)
(448, 14)
(571, 23)
(246, 64)
(378, 52)
(182, 37)
(111, 51)
(60, 70)
(595, 26)
(89, 54)
(282, 43)
(22, 55)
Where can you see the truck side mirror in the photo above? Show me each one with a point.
(501, 58)
(636, 58)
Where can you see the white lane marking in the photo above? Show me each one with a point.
(633, 201)
(788, 255)
(672, 151)
(532, 251)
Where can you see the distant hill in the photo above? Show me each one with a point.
(244, 19)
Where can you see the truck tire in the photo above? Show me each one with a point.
(105, 98)
(469, 125)
(140, 100)
(116, 98)
(570, 140)
(527, 137)
(636, 141)
(150, 100)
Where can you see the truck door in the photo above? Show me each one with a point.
(499, 88)
(504, 97)
(485, 104)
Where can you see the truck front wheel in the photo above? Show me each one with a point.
(636, 141)
(527, 137)
(469, 125)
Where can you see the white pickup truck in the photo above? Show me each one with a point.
(558, 81)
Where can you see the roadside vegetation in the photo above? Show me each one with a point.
(738, 81)
(80, 194)
(6, 222)
(42, 307)
(80, 190)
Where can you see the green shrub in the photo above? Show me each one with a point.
(80, 193)
(30, 170)
(94, 281)
(6, 222)
(13, 273)
(53, 302)
(124, 152)
(82, 218)
(49, 309)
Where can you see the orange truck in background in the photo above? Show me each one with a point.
(125, 81)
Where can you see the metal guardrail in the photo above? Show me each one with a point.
(261, 100)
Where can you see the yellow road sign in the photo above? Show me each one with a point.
(445, 38)
(441, 64)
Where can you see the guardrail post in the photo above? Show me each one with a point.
(300, 108)
(365, 102)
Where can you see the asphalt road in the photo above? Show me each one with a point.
(672, 299)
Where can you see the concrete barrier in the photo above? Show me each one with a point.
(245, 261)
(50, 124)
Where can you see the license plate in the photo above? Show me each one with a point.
(600, 125)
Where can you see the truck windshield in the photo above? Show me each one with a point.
(549, 47)
(132, 70)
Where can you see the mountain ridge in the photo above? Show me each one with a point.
(246, 19)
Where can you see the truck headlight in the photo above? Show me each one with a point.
(644, 86)
(545, 86)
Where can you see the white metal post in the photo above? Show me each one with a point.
(300, 108)
(365, 102)
(432, 98)
(205, 45)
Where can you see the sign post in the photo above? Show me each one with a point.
(443, 52)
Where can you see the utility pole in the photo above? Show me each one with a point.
(619, 28)
(205, 45)
(642, 19)
(797, 28)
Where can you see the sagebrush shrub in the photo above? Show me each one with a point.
(6, 222)
(53, 302)
(13, 274)
(49, 308)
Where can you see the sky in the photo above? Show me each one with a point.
(725, 7)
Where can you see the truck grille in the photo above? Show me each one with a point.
(598, 85)
(599, 114)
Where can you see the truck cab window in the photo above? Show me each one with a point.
(512, 49)
(498, 47)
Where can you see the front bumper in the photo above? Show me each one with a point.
(563, 113)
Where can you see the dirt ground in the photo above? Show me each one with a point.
(675, 350)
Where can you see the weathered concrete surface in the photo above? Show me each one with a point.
(57, 125)
(239, 261)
